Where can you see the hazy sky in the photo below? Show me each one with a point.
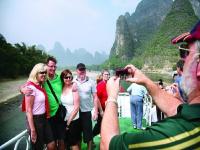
(88, 24)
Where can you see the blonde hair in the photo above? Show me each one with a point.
(40, 67)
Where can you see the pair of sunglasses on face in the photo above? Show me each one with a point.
(43, 72)
(184, 50)
(67, 77)
(81, 69)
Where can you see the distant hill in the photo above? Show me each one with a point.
(159, 52)
(66, 57)
(2, 38)
(133, 30)
(124, 44)
(143, 38)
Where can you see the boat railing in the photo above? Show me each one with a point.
(123, 112)
(17, 140)
(124, 107)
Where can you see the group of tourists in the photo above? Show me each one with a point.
(45, 90)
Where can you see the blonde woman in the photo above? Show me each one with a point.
(70, 99)
(37, 110)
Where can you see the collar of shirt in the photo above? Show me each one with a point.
(189, 111)
(55, 76)
(82, 81)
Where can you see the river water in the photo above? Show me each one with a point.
(12, 120)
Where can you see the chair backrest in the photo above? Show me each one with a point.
(147, 107)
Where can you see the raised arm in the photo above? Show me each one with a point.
(24, 89)
(166, 102)
(110, 125)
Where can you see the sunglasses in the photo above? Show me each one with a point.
(184, 50)
(67, 77)
(82, 69)
(43, 72)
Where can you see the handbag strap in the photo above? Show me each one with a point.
(52, 91)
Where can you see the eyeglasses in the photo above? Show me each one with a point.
(106, 74)
(42, 72)
(67, 77)
(184, 50)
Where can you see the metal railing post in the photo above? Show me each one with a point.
(17, 139)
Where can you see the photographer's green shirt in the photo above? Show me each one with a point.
(57, 87)
(181, 131)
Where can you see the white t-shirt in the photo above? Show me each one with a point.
(86, 90)
(68, 102)
(39, 101)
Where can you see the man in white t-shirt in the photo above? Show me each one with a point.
(88, 100)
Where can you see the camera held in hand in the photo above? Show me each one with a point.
(121, 72)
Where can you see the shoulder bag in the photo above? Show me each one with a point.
(62, 111)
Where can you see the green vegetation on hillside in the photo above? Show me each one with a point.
(124, 45)
(158, 51)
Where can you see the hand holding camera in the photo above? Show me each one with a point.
(113, 92)
(136, 76)
(122, 73)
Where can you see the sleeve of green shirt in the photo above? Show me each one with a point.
(132, 140)
(173, 133)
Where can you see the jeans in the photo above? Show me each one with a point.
(136, 103)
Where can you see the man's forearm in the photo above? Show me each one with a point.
(166, 102)
(110, 125)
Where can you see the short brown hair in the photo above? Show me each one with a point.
(51, 58)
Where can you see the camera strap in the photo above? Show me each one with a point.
(52, 91)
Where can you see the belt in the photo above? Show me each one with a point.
(39, 116)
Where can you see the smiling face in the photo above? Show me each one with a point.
(81, 73)
(105, 75)
(67, 79)
(41, 76)
(51, 68)
(38, 73)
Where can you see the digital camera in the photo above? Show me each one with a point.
(121, 72)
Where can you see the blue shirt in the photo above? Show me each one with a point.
(178, 80)
(136, 89)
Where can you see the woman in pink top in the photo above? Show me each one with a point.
(37, 110)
